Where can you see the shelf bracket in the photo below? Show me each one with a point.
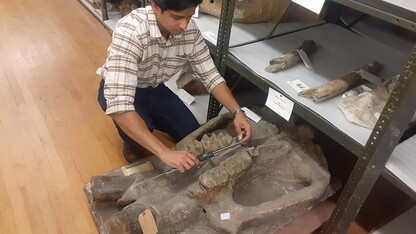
(387, 132)
(224, 32)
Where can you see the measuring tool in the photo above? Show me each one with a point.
(201, 157)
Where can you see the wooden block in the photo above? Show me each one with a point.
(129, 170)
(147, 222)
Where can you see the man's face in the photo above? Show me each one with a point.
(172, 22)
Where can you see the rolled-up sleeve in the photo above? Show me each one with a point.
(202, 64)
(120, 71)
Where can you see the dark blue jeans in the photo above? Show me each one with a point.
(160, 109)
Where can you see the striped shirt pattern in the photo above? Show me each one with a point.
(139, 56)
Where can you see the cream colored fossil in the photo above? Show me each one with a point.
(291, 58)
(262, 187)
(209, 143)
(363, 106)
(339, 86)
(196, 148)
(219, 176)
(97, 4)
(249, 11)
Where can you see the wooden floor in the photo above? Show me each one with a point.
(53, 135)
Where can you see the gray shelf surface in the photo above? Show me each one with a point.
(247, 33)
(400, 12)
(240, 33)
(199, 107)
(392, 36)
(339, 52)
(402, 164)
(113, 15)
(403, 224)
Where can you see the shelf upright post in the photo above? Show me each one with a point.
(390, 126)
(104, 14)
(223, 40)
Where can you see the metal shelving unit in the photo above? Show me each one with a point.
(339, 51)
(107, 19)
(372, 154)
(397, 12)
(376, 150)
(393, 121)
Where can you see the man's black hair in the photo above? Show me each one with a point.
(176, 5)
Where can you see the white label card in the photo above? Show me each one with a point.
(279, 104)
(251, 115)
(225, 216)
(185, 96)
(370, 77)
(305, 59)
(210, 36)
(297, 85)
(313, 5)
(196, 14)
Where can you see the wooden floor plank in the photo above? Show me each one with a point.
(13, 182)
(7, 221)
(53, 136)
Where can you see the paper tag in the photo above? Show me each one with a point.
(297, 85)
(196, 14)
(185, 96)
(147, 222)
(356, 91)
(130, 170)
(210, 36)
(313, 5)
(225, 216)
(370, 77)
(305, 59)
(279, 104)
(251, 115)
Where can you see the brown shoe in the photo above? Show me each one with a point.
(131, 153)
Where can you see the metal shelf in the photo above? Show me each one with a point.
(375, 148)
(242, 34)
(382, 140)
(400, 167)
(313, 118)
(110, 19)
(339, 51)
(396, 181)
(405, 223)
(398, 12)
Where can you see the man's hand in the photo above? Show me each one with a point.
(242, 127)
(223, 94)
(182, 160)
(131, 123)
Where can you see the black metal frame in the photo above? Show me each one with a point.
(391, 125)
(383, 139)
(223, 40)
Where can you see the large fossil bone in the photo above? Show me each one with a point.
(364, 106)
(290, 59)
(249, 11)
(336, 87)
(262, 187)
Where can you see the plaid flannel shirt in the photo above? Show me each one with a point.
(139, 56)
